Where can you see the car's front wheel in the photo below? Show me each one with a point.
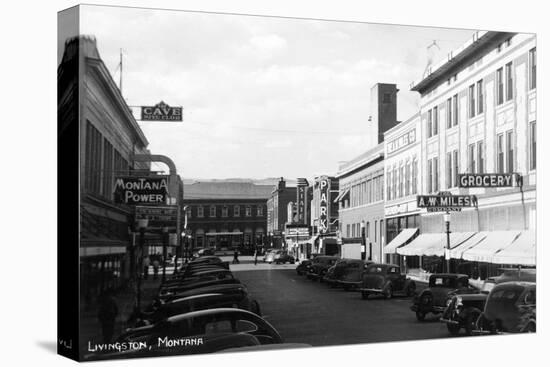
(388, 292)
(420, 316)
(454, 329)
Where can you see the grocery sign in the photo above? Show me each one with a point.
(141, 190)
(161, 112)
(470, 180)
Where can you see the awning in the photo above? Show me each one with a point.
(341, 195)
(456, 252)
(419, 245)
(522, 251)
(456, 239)
(495, 241)
(399, 240)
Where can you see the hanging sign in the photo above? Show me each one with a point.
(161, 112)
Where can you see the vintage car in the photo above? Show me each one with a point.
(213, 288)
(218, 273)
(441, 286)
(205, 301)
(205, 331)
(205, 282)
(387, 280)
(320, 266)
(284, 258)
(201, 260)
(334, 272)
(464, 310)
(350, 273)
(269, 256)
(204, 252)
(303, 267)
(510, 308)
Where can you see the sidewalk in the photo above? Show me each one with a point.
(90, 327)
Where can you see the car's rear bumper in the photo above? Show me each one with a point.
(371, 290)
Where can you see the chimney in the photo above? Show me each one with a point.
(383, 109)
(282, 184)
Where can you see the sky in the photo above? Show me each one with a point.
(261, 96)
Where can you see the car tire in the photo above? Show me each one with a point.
(364, 295)
(388, 292)
(420, 316)
(454, 329)
(470, 321)
(410, 290)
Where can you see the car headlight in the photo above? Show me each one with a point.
(458, 301)
(449, 300)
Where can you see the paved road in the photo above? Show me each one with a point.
(304, 311)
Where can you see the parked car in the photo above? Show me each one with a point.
(335, 272)
(216, 273)
(271, 254)
(205, 331)
(351, 276)
(204, 252)
(283, 258)
(303, 267)
(212, 288)
(463, 311)
(440, 286)
(510, 308)
(386, 279)
(206, 282)
(320, 266)
(203, 302)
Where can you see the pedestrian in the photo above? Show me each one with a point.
(255, 256)
(108, 311)
(146, 263)
(236, 257)
(156, 265)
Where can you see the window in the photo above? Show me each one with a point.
(401, 180)
(449, 170)
(509, 151)
(500, 153)
(107, 169)
(407, 179)
(435, 121)
(212, 211)
(414, 177)
(348, 232)
(436, 174)
(509, 82)
(471, 101)
(430, 176)
(480, 157)
(533, 68)
(471, 158)
(224, 212)
(388, 186)
(455, 110)
(480, 96)
(259, 211)
(394, 184)
(200, 212)
(92, 170)
(375, 231)
(353, 230)
(500, 87)
(449, 113)
(456, 168)
(248, 211)
(429, 123)
(236, 211)
(533, 145)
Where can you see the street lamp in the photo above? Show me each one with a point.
(447, 219)
(142, 226)
(164, 251)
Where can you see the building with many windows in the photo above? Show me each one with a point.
(226, 215)
(277, 212)
(478, 115)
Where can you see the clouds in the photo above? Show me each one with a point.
(261, 96)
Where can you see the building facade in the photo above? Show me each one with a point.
(277, 208)
(227, 215)
(402, 152)
(361, 205)
(478, 115)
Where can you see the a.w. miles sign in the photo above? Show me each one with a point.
(446, 202)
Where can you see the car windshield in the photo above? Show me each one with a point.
(445, 282)
(509, 295)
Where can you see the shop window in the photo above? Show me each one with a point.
(533, 68)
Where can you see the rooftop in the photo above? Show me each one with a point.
(226, 190)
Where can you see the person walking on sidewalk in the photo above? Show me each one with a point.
(146, 263)
(108, 311)
(156, 265)
(236, 257)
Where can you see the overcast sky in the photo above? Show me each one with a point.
(262, 96)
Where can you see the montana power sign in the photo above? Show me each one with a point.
(141, 190)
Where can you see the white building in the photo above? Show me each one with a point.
(478, 115)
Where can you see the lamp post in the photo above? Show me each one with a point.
(164, 251)
(447, 219)
(142, 226)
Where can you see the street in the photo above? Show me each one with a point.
(305, 311)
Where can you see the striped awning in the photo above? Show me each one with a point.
(494, 242)
(523, 251)
(399, 240)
